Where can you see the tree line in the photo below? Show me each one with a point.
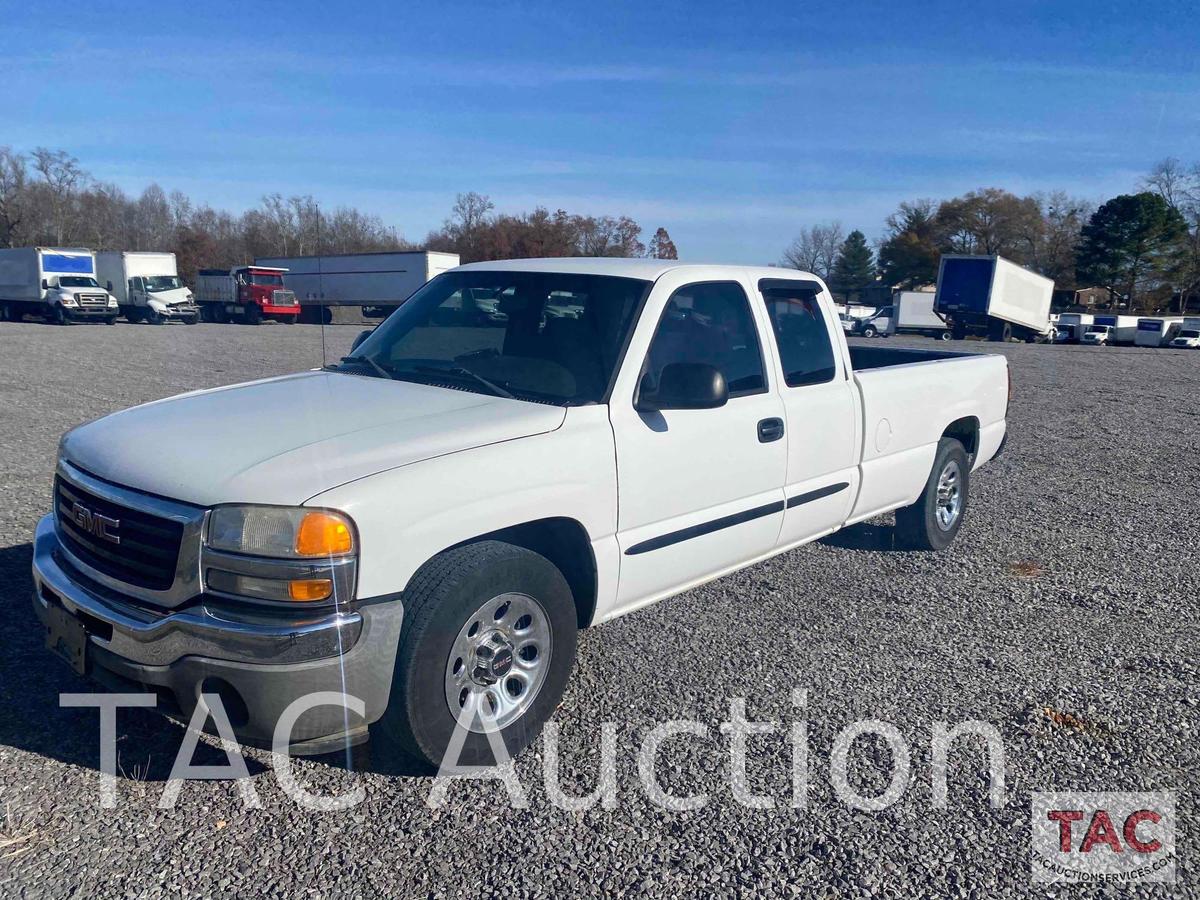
(1142, 248)
(47, 198)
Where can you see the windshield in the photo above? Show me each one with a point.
(1189, 334)
(1097, 329)
(543, 336)
(156, 283)
(267, 279)
(77, 281)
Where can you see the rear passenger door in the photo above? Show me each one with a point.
(699, 490)
(822, 409)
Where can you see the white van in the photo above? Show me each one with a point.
(1189, 334)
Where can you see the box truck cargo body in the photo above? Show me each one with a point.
(377, 282)
(1111, 330)
(1189, 334)
(56, 283)
(994, 298)
(1070, 327)
(911, 312)
(1154, 331)
(245, 294)
(147, 286)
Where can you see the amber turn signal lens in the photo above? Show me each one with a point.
(323, 534)
(310, 589)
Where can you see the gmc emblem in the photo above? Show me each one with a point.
(95, 524)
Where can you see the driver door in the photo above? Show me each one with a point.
(700, 491)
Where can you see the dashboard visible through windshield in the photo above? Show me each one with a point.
(542, 336)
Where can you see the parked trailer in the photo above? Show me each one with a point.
(911, 312)
(1189, 334)
(56, 283)
(1155, 331)
(1116, 330)
(245, 293)
(147, 286)
(378, 282)
(991, 297)
(1071, 326)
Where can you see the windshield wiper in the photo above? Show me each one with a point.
(466, 373)
(380, 370)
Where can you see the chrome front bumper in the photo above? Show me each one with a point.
(266, 660)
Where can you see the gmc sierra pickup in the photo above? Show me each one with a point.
(523, 449)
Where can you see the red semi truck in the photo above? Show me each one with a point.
(245, 293)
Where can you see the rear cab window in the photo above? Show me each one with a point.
(801, 334)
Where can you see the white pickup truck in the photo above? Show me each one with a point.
(523, 449)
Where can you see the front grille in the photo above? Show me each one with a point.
(283, 298)
(92, 301)
(147, 553)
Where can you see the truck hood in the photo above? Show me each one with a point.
(171, 297)
(284, 440)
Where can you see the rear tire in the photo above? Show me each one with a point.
(934, 520)
(253, 314)
(517, 601)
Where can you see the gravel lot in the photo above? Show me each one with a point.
(1071, 589)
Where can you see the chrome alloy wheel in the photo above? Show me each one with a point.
(949, 495)
(498, 662)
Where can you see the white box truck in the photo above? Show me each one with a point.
(991, 297)
(56, 283)
(147, 286)
(1070, 327)
(378, 282)
(1189, 334)
(911, 312)
(1106, 330)
(1156, 331)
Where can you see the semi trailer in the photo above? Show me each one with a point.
(377, 282)
(57, 284)
(988, 296)
(147, 286)
(245, 294)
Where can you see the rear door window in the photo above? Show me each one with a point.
(805, 347)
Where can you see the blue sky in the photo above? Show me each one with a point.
(730, 124)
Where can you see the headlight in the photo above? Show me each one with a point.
(67, 300)
(112, 301)
(280, 531)
(280, 553)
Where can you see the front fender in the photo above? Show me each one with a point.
(407, 515)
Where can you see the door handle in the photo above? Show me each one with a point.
(770, 430)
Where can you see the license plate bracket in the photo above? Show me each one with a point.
(67, 638)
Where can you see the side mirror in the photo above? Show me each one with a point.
(109, 287)
(45, 285)
(362, 336)
(686, 386)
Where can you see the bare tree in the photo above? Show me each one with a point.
(63, 177)
(1180, 187)
(815, 249)
(14, 195)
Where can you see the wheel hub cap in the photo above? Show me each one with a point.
(498, 662)
(949, 495)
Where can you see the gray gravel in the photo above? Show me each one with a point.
(1094, 502)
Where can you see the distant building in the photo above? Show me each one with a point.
(1093, 296)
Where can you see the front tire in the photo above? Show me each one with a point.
(934, 520)
(490, 629)
(59, 315)
(869, 331)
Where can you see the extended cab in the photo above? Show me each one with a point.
(426, 524)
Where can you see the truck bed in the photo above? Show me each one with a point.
(862, 358)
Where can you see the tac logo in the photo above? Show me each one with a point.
(1103, 837)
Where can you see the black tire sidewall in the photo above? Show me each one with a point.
(948, 449)
(418, 715)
